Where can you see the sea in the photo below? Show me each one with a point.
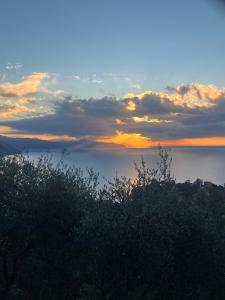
(188, 163)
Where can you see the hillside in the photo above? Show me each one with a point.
(28, 144)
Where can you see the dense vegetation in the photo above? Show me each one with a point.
(62, 237)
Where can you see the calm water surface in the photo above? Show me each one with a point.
(187, 163)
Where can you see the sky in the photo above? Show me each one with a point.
(128, 73)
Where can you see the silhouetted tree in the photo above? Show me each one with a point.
(63, 237)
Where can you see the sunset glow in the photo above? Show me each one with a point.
(43, 137)
(135, 140)
(129, 140)
(193, 142)
(131, 106)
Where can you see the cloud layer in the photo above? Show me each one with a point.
(189, 114)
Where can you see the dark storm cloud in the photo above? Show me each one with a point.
(154, 104)
(77, 117)
(105, 107)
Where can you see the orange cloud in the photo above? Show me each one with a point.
(137, 140)
(12, 110)
(206, 141)
(189, 95)
(43, 137)
(29, 86)
(5, 129)
(131, 105)
(129, 140)
(26, 100)
(196, 95)
(120, 122)
(14, 95)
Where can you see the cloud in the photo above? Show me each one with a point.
(119, 122)
(96, 81)
(29, 86)
(131, 105)
(15, 66)
(57, 93)
(18, 99)
(203, 142)
(150, 102)
(136, 86)
(76, 77)
(196, 95)
(13, 133)
(187, 114)
(9, 110)
(148, 119)
(75, 117)
(189, 95)
(42, 137)
(26, 100)
(5, 129)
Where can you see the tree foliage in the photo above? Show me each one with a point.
(63, 237)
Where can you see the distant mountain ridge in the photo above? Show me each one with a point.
(28, 144)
